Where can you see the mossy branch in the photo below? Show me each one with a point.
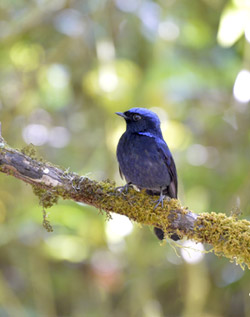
(228, 236)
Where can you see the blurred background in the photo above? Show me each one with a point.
(65, 67)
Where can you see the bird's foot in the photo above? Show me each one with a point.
(124, 189)
(161, 200)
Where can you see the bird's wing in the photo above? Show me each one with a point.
(120, 172)
(173, 187)
(168, 158)
(164, 152)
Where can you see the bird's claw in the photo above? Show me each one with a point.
(124, 189)
(159, 201)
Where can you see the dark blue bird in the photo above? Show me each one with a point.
(145, 159)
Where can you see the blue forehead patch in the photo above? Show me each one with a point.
(145, 113)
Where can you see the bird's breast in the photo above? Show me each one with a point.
(141, 162)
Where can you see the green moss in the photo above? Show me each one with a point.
(30, 151)
(138, 206)
(46, 223)
(228, 236)
(61, 192)
(46, 199)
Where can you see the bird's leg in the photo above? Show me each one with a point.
(160, 200)
(124, 188)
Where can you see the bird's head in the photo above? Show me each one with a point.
(141, 120)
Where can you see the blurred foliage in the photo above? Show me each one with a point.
(65, 67)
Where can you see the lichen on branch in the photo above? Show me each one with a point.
(228, 236)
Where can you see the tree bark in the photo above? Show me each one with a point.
(228, 236)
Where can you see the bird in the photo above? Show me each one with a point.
(145, 159)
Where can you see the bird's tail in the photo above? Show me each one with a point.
(160, 234)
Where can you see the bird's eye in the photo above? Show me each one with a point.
(136, 117)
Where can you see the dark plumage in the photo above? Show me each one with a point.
(144, 157)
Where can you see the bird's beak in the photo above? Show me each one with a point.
(121, 114)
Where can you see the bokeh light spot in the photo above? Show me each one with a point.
(105, 50)
(36, 134)
(113, 137)
(168, 30)
(231, 26)
(117, 228)
(241, 88)
(69, 22)
(197, 154)
(175, 134)
(55, 90)
(58, 76)
(192, 252)
(66, 247)
(108, 79)
(26, 56)
(123, 75)
(247, 31)
(230, 274)
(128, 5)
(59, 137)
(149, 13)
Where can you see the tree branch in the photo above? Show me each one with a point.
(228, 236)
